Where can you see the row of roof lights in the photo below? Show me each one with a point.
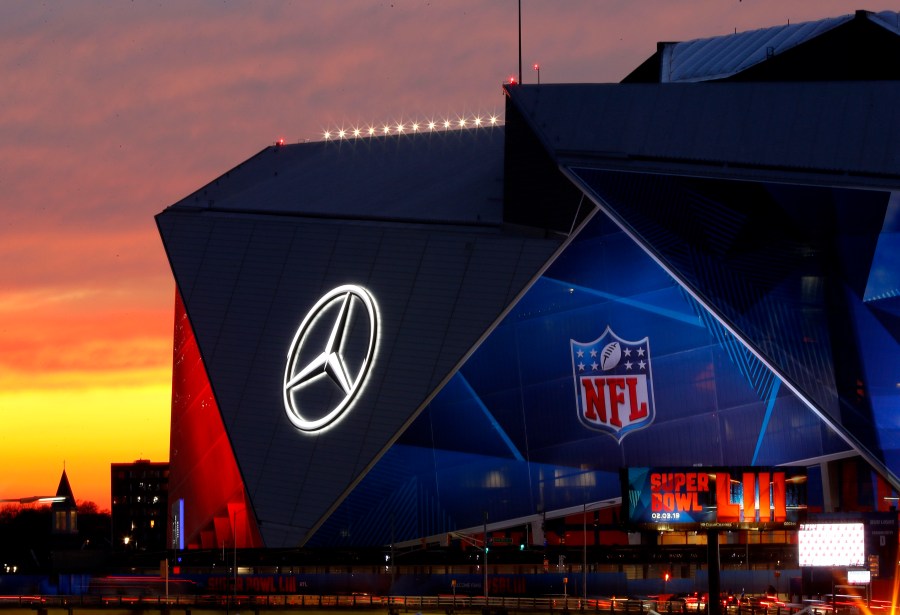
(399, 128)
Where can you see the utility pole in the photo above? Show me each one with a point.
(486, 550)
(520, 45)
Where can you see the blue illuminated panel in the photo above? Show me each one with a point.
(506, 435)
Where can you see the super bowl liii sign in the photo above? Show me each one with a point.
(613, 384)
(714, 498)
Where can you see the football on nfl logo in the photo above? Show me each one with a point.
(613, 384)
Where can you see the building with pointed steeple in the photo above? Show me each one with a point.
(64, 512)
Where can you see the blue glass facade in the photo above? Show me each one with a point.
(541, 330)
(784, 267)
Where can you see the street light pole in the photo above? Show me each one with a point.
(393, 562)
(166, 564)
(485, 559)
(583, 553)
(234, 537)
(234, 534)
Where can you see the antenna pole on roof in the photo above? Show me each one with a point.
(520, 41)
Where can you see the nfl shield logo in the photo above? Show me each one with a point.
(613, 384)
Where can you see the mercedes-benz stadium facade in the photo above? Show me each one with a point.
(431, 336)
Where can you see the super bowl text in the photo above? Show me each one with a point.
(764, 495)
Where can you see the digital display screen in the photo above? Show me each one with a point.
(831, 544)
(714, 498)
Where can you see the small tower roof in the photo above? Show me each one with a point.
(64, 490)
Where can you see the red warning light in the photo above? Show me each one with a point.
(279, 142)
(512, 80)
(536, 66)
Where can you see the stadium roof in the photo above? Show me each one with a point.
(835, 133)
(433, 172)
(849, 47)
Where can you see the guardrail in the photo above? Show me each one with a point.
(395, 605)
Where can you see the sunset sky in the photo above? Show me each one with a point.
(112, 111)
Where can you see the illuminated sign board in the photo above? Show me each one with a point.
(176, 523)
(831, 544)
(613, 384)
(714, 498)
(329, 358)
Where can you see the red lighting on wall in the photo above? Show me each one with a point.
(202, 467)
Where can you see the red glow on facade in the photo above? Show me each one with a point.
(204, 472)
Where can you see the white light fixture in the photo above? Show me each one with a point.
(414, 126)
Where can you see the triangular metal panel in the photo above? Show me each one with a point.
(253, 278)
(770, 262)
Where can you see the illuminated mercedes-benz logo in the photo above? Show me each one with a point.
(330, 357)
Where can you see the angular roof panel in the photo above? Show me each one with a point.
(840, 133)
(445, 176)
(722, 57)
(719, 57)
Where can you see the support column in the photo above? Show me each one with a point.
(713, 605)
(830, 486)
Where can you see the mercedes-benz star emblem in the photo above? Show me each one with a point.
(330, 357)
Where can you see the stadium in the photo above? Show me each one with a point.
(450, 345)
